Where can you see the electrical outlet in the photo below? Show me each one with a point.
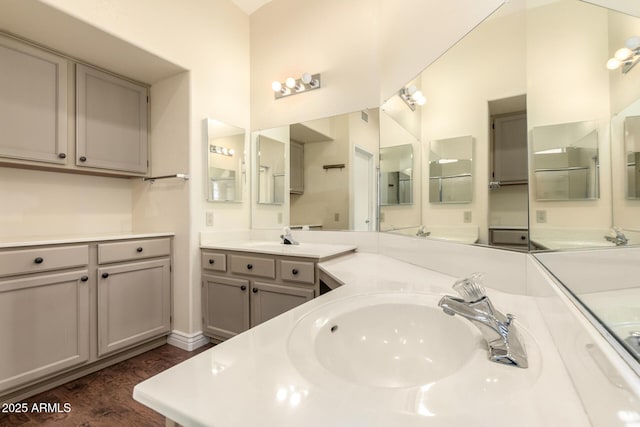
(381, 216)
(467, 216)
(279, 217)
(336, 217)
(209, 218)
(541, 216)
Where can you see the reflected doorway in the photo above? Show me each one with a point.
(509, 175)
(363, 209)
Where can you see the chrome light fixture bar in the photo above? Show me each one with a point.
(626, 57)
(218, 149)
(412, 97)
(307, 82)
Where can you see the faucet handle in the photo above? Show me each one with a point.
(470, 288)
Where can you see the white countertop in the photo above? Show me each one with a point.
(306, 250)
(250, 379)
(85, 238)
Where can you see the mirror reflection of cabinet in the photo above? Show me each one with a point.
(566, 161)
(396, 170)
(296, 161)
(225, 161)
(451, 170)
(632, 154)
(270, 173)
(510, 148)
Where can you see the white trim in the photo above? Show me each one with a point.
(188, 342)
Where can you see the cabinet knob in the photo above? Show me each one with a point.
(62, 156)
(83, 159)
(105, 275)
(212, 261)
(294, 271)
(139, 249)
(249, 266)
(38, 260)
(254, 290)
(84, 278)
(523, 237)
(243, 288)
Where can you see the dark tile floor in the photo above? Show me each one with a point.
(103, 398)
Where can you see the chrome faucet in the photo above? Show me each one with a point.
(619, 239)
(504, 341)
(422, 232)
(286, 238)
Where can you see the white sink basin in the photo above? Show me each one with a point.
(384, 341)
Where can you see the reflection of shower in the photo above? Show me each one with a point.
(278, 188)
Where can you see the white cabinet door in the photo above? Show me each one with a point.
(510, 149)
(134, 304)
(44, 326)
(111, 122)
(33, 103)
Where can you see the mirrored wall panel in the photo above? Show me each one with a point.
(329, 174)
(225, 162)
(566, 162)
(270, 172)
(451, 170)
(632, 155)
(396, 175)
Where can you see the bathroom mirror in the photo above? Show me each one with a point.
(450, 170)
(565, 159)
(396, 176)
(330, 173)
(632, 156)
(225, 161)
(270, 171)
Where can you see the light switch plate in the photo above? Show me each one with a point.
(541, 216)
(467, 216)
(279, 217)
(209, 218)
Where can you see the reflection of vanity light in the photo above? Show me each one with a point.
(552, 151)
(626, 57)
(445, 161)
(412, 97)
(217, 149)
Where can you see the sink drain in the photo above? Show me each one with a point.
(334, 328)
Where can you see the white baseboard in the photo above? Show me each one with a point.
(188, 342)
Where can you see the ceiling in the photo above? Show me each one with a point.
(250, 6)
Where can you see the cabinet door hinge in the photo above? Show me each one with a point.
(147, 99)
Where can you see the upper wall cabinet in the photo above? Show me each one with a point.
(33, 103)
(37, 110)
(111, 122)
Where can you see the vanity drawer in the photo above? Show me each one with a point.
(253, 266)
(509, 237)
(216, 262)
(22, 261)
(132, 250)
(298, 271)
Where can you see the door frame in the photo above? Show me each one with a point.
(373, 219)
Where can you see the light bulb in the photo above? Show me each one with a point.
(633, 43)
(623, 54)
(421, 101)
(411, 90)
(276, 86)
(306, 78)
(417, 95)
(290, 82)
(613, 63)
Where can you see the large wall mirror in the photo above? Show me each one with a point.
(329, 174)
(450, 170)
(632, 154)
(225, 161)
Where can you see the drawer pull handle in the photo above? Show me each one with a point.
(105, 275)
(62, 156)
(84, 278)
(523, 237)
(255, 290)
(139, 249)
(250, 267)
(38, 260)
(212, 261)
(243, 288)
(83, 159)
(294, 271)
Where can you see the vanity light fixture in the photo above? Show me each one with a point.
(626, 57)
(412, 97)
(217, 149)
(292, 86)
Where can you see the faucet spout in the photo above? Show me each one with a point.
(503, 338)
(286, 238)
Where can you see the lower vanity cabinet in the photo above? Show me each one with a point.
(134, 294)
(44, 313)
(241, 290)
